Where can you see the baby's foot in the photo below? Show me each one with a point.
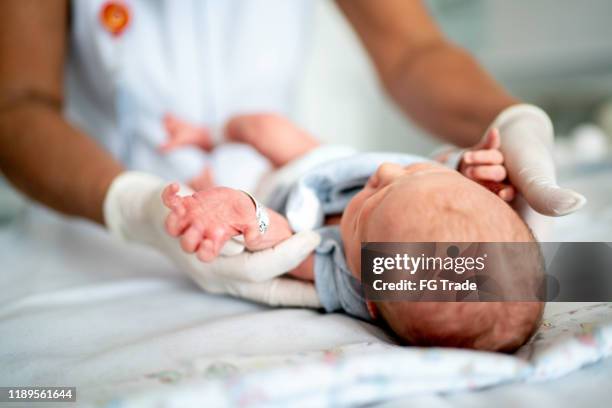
(484, 164)
(181, 133)
(204, 180)
(208, 219)
(274, 136)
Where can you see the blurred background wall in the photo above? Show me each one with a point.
(555, 53)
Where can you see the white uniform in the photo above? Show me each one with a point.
(203, 60)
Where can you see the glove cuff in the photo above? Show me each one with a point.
(518, 113)
(125, 200)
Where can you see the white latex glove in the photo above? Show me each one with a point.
(133, 211)
(526, 142)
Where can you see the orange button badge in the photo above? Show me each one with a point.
(115, 17)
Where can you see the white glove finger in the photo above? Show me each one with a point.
(269, 263)
(292, 292)
(526, 141)
(284, 257)
(278, 292)
(232, 247)
(533, 174)
(540, 225)
(549, 199)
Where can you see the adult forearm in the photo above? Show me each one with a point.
(444, 89)
(436, 83)
(54, 163)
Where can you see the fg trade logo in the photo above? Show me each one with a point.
(487, 271)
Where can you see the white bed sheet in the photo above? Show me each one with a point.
(119, 320)
(589, 387)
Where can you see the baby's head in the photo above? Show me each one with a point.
(427, 202)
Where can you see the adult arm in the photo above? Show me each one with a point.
(444, 89)
(435, 82)
(63, 168)
(40, 153)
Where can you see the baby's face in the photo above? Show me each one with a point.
(394, 206)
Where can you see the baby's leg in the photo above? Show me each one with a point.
(182, 133)
(275, 137)
(203, 180)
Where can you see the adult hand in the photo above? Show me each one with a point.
(133, 211)
(526, 143)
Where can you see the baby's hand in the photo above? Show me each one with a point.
(208, 219)
(484, 164)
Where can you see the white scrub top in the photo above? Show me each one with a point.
(203, 60)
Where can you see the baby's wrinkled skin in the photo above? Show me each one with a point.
(419, 203)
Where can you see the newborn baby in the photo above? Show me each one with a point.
(373, 198)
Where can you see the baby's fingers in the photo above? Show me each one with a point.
(490, 141)
(492, 156)
(211, 244)
(486, 173)
(172, 200)
(176, 225)
(206, 252)
(505, 191)
(192, 238)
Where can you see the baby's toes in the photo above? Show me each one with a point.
(204, 180)
(171, 122)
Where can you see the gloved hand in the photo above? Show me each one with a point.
(526, 142)
(133, 211)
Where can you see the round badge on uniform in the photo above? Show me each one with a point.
(115, 17)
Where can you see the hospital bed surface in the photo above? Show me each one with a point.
(124, 326)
